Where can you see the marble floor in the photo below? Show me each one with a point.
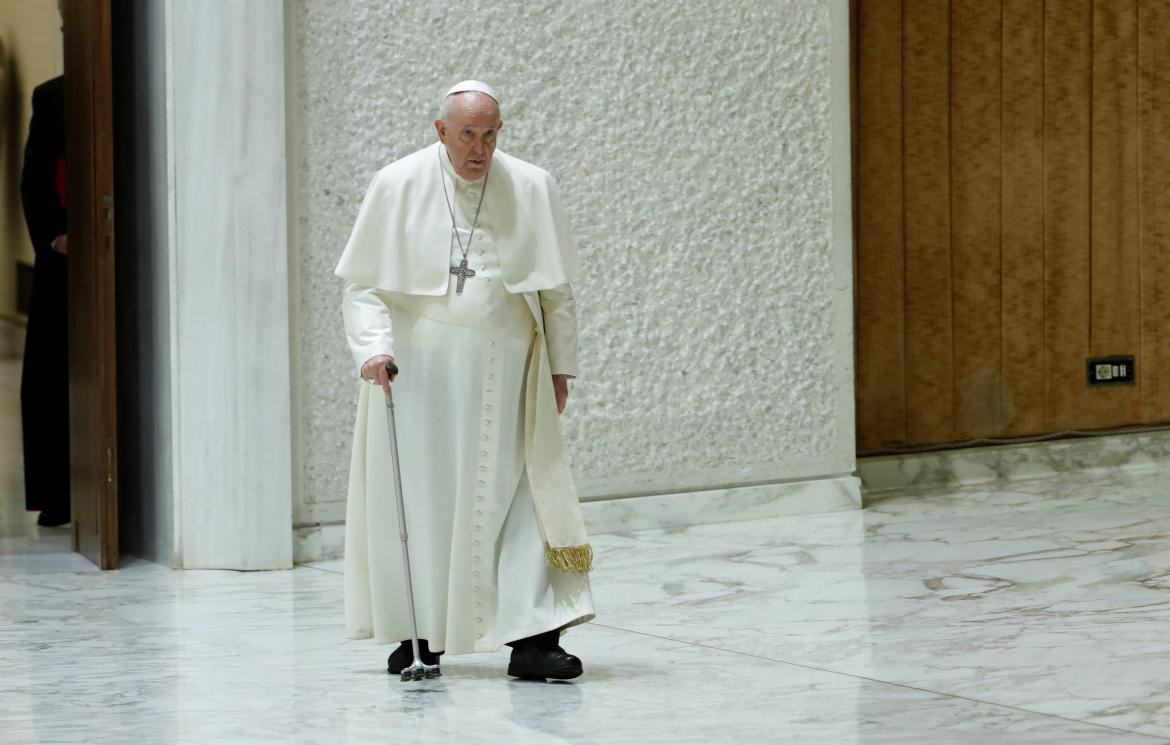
(1038, 613)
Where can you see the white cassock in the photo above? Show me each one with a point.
(479, 557)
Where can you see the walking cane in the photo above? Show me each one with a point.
(417, 670)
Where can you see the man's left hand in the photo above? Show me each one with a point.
(561, 388)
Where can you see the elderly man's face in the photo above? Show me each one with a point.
(470, 133)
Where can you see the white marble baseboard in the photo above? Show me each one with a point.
(832, 494)
(318, 542)
(327, 541)
(1004, 463)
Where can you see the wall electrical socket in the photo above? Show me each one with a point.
(1110, 370)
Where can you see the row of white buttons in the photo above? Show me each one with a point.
(473, 198)
(486, 472)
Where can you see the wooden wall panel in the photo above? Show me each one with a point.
(1154, 206)
(1067, 87)
(881, 376)
(1022, 381)
(975, 214)
(1115, 316)
(1012, 187)
(926, 128)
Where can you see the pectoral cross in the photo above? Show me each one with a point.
(462, 272)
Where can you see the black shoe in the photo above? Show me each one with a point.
(540, 657)
(403, 657)
(49, 519)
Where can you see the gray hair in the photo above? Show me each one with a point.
(447, 105)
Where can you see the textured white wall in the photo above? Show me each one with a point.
(694, 145)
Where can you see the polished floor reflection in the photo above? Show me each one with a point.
(1031, 614)
(1036, 613)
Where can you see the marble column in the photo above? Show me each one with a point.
(230, 321)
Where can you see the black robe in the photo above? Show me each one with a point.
(44, 382)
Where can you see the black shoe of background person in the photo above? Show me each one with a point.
(52, 519)
(541, 656)
(403, 657)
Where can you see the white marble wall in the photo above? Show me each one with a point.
(1104, 454)
(703, 154)
(229, 327)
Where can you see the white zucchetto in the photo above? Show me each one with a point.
(472, 85)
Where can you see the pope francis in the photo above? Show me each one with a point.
(458, 271)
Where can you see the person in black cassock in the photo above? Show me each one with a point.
(44, 382)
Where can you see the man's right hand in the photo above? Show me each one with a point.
(374, 371)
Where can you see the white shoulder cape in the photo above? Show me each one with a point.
(401, 241)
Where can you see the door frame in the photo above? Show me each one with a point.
(89, 148)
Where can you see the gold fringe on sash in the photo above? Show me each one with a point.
(576, 559)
